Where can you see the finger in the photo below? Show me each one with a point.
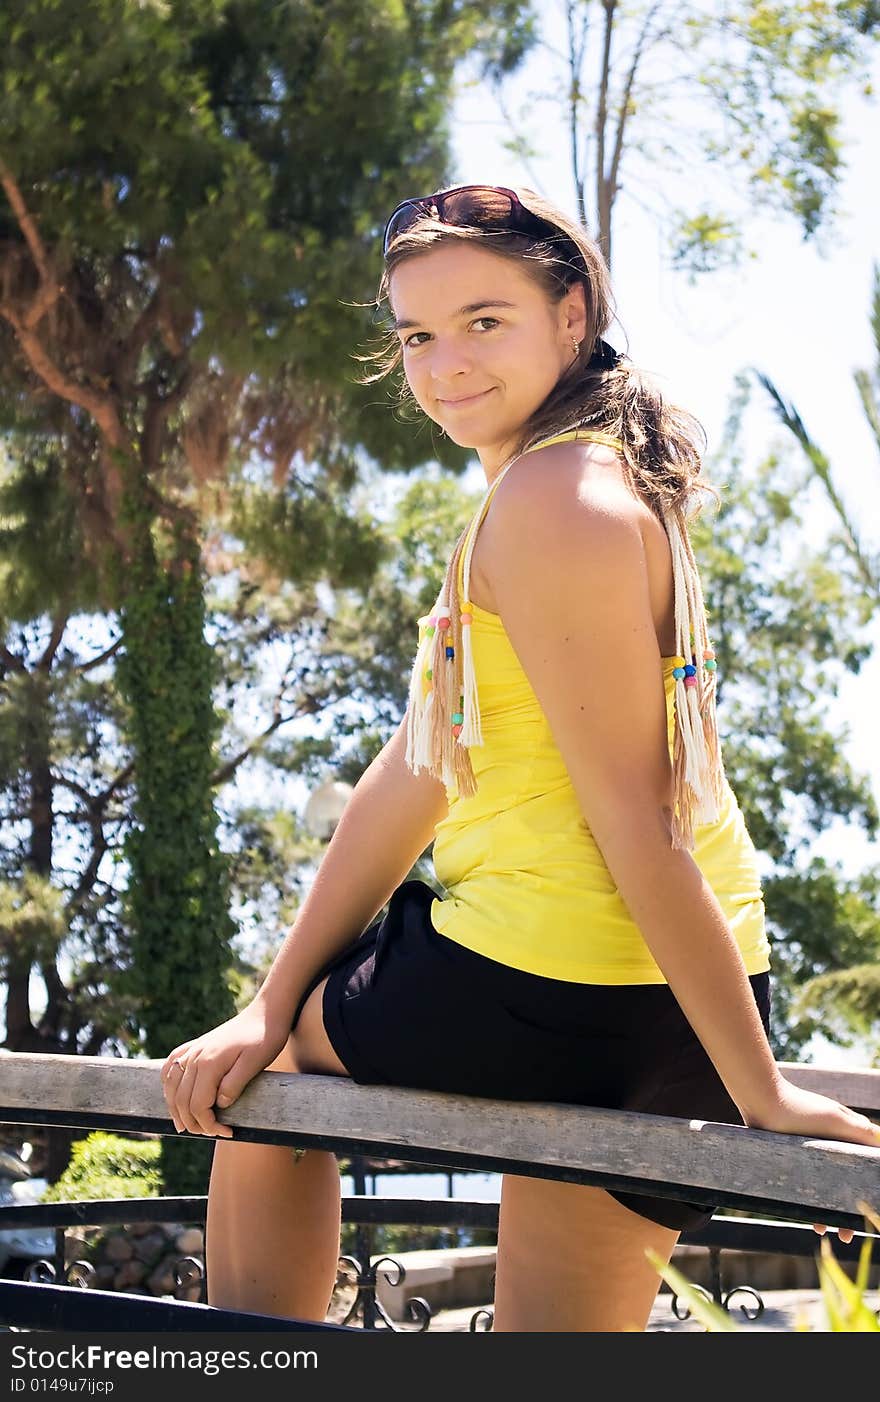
(170, 1085)
(869, 1132)
(183, 1096)
(234, 1082)
(178, 1053)
(204, 1095)
(845, 1234)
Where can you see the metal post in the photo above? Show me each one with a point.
(359, 1176)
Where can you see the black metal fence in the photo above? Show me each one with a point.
(58, 1294)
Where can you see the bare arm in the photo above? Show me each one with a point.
(569, 577)
(386, 825)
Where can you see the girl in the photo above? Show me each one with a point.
(602, 940)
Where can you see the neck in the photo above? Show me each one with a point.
(494, 459)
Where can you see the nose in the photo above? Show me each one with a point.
(449, 361)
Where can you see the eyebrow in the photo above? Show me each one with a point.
(462, 311)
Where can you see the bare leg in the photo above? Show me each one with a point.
(571, 1259)
(273, 1223)
(272, 1232)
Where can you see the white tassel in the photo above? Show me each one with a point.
(706, 809)
(418, 714)
(423, 756)
(472, 728)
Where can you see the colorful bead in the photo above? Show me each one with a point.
(690, 681)
(690, 671)
(678, 672)
(466, 605)
(711, 666)
(450, 652)
(443, 624)
(430, 631)
(429, 673)
(678, 661)
(458, 718)
(466, 620)
(456, 730)
(708, 652)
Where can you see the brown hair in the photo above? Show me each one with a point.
(661, 448)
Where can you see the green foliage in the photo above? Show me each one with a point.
(31, 919)
(846, 1002)
(715, 1319)
(787, 620)
(153, 130)
(825, 928)
(136, 137)
(177, 899)
(844, 1299)
(705, 242)
(109, 1166)
(831, 974)
(775, 74)
(845, 1304)
(756, 108)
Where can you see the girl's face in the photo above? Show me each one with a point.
(482, 344)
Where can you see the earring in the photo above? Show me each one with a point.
(576, 346)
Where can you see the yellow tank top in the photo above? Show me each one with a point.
(525, 880)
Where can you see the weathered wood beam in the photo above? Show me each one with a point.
(785, 1175)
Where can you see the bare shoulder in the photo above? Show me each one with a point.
(560, 497)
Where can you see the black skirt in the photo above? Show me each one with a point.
(406, 1006)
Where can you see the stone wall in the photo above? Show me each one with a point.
(143, 1258)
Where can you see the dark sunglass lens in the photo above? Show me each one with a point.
(483, 208)
(401, 220)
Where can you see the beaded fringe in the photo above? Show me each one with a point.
(698, 770)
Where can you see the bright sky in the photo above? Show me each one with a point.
(800, 315)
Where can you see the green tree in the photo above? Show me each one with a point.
(746, 91)
(844, 996)
(339, 663)
(192, 196)
(787, 620)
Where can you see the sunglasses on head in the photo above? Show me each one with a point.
(469, 206)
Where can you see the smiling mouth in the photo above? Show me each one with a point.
(468, 399)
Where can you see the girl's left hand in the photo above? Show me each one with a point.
(844, 1233)
(799, 1111)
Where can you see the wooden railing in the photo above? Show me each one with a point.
(787, 1178)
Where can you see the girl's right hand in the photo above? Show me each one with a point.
(212, 1070)
(794, 1110)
